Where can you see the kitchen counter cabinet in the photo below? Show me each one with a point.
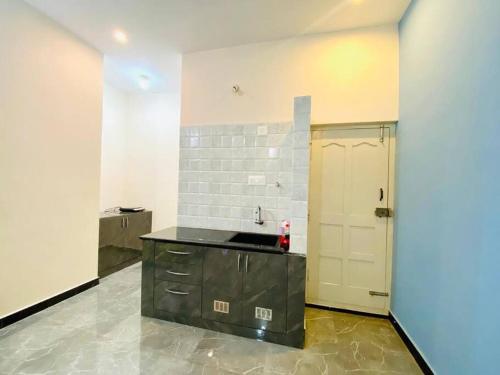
(255, 294)
(119, 239)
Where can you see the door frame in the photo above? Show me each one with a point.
(390, 127)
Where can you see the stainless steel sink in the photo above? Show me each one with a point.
(255, 239)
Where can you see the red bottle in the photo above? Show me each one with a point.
(284, 235)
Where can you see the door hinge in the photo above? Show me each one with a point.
(381, 139)
(379, 294)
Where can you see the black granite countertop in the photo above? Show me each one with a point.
(208, 237)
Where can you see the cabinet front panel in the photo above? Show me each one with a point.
(111, 232)
(265, 291)
(178, 298)
(177, 253)
(179, 272)
(222, 285)
(138, 224)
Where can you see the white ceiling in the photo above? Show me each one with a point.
(158, 30)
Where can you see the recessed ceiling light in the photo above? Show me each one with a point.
(120, 36)
(144, 82)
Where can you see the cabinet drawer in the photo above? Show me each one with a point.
(179, 272)
(177, 298)
(176, 253)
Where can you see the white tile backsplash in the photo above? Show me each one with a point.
(300, 174)
(228, 170)
(256, 180)
(262, 130)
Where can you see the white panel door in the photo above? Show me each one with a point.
(347, 242)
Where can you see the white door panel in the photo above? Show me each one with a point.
(348, 243)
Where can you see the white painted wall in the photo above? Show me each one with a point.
(140, 157)
(50, 132)
(153, 155)
(114, 146)
(352, 76)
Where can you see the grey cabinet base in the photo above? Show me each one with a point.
(164, 304)
(292, 338)
(119, 242)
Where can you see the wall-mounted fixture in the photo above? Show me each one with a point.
(236, 89)
(120, 36)
(257, 216)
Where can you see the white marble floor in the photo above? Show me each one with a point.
(101, 331)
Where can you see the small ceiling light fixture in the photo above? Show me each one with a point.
(144, 82)
(120, 36)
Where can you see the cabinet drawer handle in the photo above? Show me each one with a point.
(246, 263)
(178, 273)
(178, 252)
(239, 257)
(176, 292)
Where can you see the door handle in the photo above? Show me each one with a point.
(126, 222)
(246, 263)
(239, 258)
(123, 222)
(381, 195)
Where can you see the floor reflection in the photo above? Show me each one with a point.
(101, 331)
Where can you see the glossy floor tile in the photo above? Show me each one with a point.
(101, 331)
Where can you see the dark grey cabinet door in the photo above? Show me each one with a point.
(265, 291)
(222, 283)
(111, 232)
(137, 225)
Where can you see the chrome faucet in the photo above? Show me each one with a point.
(257, 216)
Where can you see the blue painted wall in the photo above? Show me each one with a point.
(446, 277)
